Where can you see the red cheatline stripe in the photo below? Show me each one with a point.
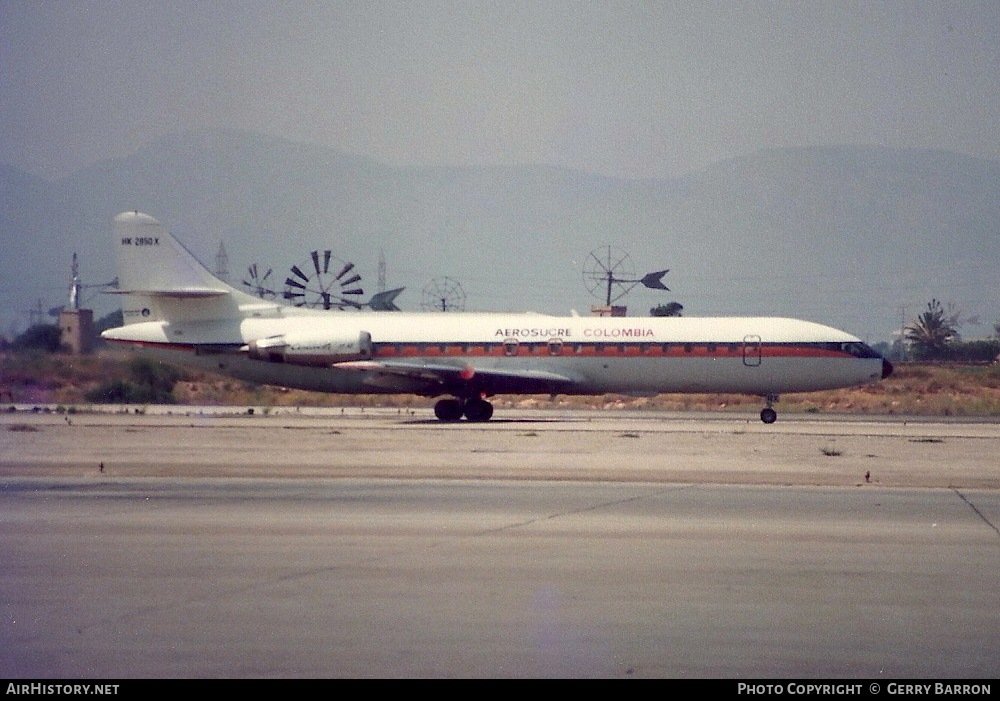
(639, 350)
(585, 350)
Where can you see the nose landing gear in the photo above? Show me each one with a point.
(767, 414)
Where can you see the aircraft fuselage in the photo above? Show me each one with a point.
(174, 307)
(600, 355)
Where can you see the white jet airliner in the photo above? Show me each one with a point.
(176, 309)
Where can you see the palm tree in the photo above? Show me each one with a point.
(932, 332)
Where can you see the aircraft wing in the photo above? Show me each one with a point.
(436, 379)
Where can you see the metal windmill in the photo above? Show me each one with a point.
(323, 288)
(610, 275)
(76, 287)
(258, 284)
(443, 295)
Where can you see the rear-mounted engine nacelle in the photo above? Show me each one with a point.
(300, 349)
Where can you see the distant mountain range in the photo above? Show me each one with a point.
(857, 237)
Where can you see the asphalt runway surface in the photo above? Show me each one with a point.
(383, 544)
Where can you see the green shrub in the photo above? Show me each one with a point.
(150, 383)
(44, 338)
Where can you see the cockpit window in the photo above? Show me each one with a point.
(855, 348)
(860, 350)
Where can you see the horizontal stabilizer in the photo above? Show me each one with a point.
(187, 293)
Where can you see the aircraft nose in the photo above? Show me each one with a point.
(886, 368)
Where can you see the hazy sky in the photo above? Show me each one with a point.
(634, 89)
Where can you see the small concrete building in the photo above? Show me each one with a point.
(608, 310)
(76, 330)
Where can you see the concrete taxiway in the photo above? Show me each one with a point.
(379, 543)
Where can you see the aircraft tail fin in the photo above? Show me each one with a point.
(162, 280)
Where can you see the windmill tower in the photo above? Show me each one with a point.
(222, 263)
(76, 326)
(381, 270)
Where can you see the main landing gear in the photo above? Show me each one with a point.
(767, 414)
(474, 409)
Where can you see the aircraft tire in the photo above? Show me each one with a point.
(448, 410)
(768, 416)
(478, 410)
